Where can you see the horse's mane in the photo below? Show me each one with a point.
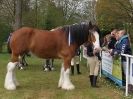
(79, 32)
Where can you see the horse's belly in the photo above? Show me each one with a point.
(45, 50)
(45, 54)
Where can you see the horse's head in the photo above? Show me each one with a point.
(94, 32)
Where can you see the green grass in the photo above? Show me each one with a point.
(37, 84)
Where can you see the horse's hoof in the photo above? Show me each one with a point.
(52, 68)
(20, 68)
(10, 87)
(59, 85)
(68, 87)
(46, 69)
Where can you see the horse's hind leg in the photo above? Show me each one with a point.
(10, 79)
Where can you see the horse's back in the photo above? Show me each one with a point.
(42, 43)
(23, 29)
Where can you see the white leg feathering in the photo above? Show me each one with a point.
(10, 80)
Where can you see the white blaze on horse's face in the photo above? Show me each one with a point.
(97, 42)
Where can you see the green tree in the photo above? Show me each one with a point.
(54, 16)
(4, 32)
(113, 13)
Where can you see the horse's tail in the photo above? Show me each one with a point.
(8, 44)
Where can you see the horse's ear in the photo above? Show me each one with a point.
(90, 24)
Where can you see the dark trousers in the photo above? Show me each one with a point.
(123, 77)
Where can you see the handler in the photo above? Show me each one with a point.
(93, 60)
(76, 61)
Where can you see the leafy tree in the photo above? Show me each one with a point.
(44, 14)
(18, 14)
(54, 16)
(113, 13)
(4, 32)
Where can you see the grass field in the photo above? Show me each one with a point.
(37, 84)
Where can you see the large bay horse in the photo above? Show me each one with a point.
(61, 43)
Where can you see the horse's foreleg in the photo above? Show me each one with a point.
(61, 80)
(15, 80)
(10, 80)
(67, 84)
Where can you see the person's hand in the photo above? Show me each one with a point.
(95, 51)
(104, 48)
(110, 51)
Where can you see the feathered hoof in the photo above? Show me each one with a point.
(59, 86)
(10, 87)
(68, 87)
(46, 69)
